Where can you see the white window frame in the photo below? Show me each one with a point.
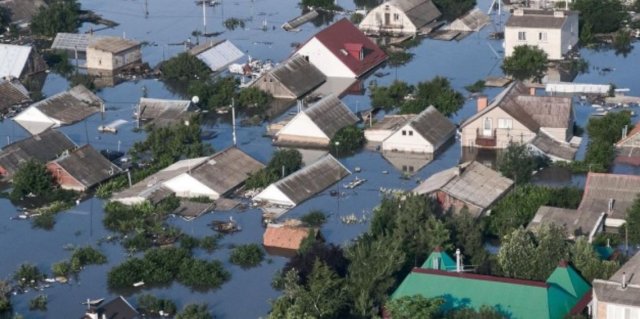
(622, 312)
(505, 123)
(542, 36)
(522, 36)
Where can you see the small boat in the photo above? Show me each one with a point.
(225, 227)
(138, 284)
(355, 183)
(93, 302)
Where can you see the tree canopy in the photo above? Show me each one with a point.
(283, 163)
(58, 16)
(347, 140)
(601, 16)
(526, 62)
(414, 99)
(517, 162)
(417, 306)
(184, 67)
(31, 178)
(633, 222)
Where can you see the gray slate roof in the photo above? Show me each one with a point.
(538, 19)
(420, 12)
(12, 93)
(164, 112)
(297, 75)
(42, 147)
(22, 10)
(88, 166)
(392, 122)
(612, 291)
(470, 182)
(552, 147)
(330, 114)
(433, 126)
(217, 54)
(113, 45)
(71, 106)
(226, 170)
(575, 223)
(599, 188)
(312, 179)
(472, 21)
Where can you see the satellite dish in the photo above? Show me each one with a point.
(195, 99)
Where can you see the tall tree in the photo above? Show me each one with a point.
(517, 163)
(526, 62)
(437, 92)
(467, 234)
(603, 15)
(551, 247)
(587, 262)
(31, 178)
(58, 16)
(417, 306)
(516, 254)
(633, 222)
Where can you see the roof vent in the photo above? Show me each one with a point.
(610, 205)
(624, 280)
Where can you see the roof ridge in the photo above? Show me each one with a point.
(474, 276)
(327, 157)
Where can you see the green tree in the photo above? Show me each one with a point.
(417, 306)
(62, 268)
(467, 234)
(604, 16)
(184, 67)
(485, 312)
(437, 92)
(324, 4)
(86, 256)
(517, 163)
(587, 262)
(551, 248)
(516, 252)
(347, 140)
(390, 97)
(28, 275)
(247, 256)
(526, 62)
(5, 293)
(58, 16)
(38, 303)
(194, 311)
(633, 222)
(622, 42)
(31, 178)
(374, 263)
(254, 98)
(283, 163)
(314, 218)
(586, 33)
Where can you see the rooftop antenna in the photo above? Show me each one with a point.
(233, 120)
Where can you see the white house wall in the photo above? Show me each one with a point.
(411, 142)
(375, 21)
(301, 125)
(377, 135)
(273, 195)
(324, 60)
(184, 185)
(552, 46)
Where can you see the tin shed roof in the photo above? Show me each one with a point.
(13, 59)
(217, 55)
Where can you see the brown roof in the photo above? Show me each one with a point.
(71, 106)
(331, 115)
(87, 166)
(297, 75)
(287, 237)
(113, 44)
(433, 126)
(631, 134)
(420, 12)
(226, 170)
(42, 147)
(538, 19)
(12, 93)
(554, 148)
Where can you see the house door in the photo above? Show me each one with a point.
(486, 128)
(387, 18)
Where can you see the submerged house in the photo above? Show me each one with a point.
(388, 125)
(425, 133)
(113, 53)
(518, 115)
(604, 205)
(341, 50)
(118, 308)
(290, 79)
(400, 17)
(162, 113)
(42, 147)
(82, 169)
(304, 183)
(317, 125)
(629, 147)
(285, 237)
(13, 95)
(64, 108)
(470, 185)
(210, 176)
(553, 31)
(217, 55)
(19, 62)
(473, 21)
(618, 296)
(564, 293)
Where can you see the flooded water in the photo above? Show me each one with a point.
(248, 292)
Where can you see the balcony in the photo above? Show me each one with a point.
(483, 140)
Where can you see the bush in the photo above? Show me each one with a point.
(44, 221)
(603, 16)
(86, 256)
(151, 305)
(314, 218)
(347, 140)
(283, 163)
(233, 23)
(476, 87)
(202, 274)
(184, 67)
(195, 312)
(437, 92)
(189, 242)
(247, 256)
(5, 292)
(58, 16)
(28, 275)
(253, 98)
(31, 178)
(38, 303)
(209, 243)
(61, 269)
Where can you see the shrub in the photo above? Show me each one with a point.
(31, 178)
(195, 312)
(209, 243)
(61, 269)
(151, 305)
(247, 256)
(58, 16)
(38, 303)
(184, 67)
(28, 275)
(314, 218)
(86, 256)
(347, 140)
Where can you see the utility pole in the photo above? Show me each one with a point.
(146, 9)
(204, 17)
(233, 120)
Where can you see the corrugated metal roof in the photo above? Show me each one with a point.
(600, 188)
(551, 147)
(544, 19)
(217, 55)
(611, 290)
(71, 106)
(73, 41)
(12, 93)
(330, 115)
(420, 12)
(113, 44)
(13, 59)
(164, 112)
(297, 75)
(433, 126)
(42, 147)
(88, 166)
(392, 122)
(226, 170)
(312, 179)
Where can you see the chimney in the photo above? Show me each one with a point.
(624, 280)
(482, 102)
(532, 91)
(458, 260)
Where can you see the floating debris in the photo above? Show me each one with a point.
(93, 302)
(354, 183)
(225, 227)
(138, 284)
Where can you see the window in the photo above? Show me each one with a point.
(410, 133)
(505, 123)
(396, 17)
(621, 312)
(522, 36)
(542, 36)
(404, 133)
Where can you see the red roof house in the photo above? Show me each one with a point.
(342, 50)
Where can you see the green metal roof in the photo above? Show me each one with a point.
(439, 260)
(515, 298)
